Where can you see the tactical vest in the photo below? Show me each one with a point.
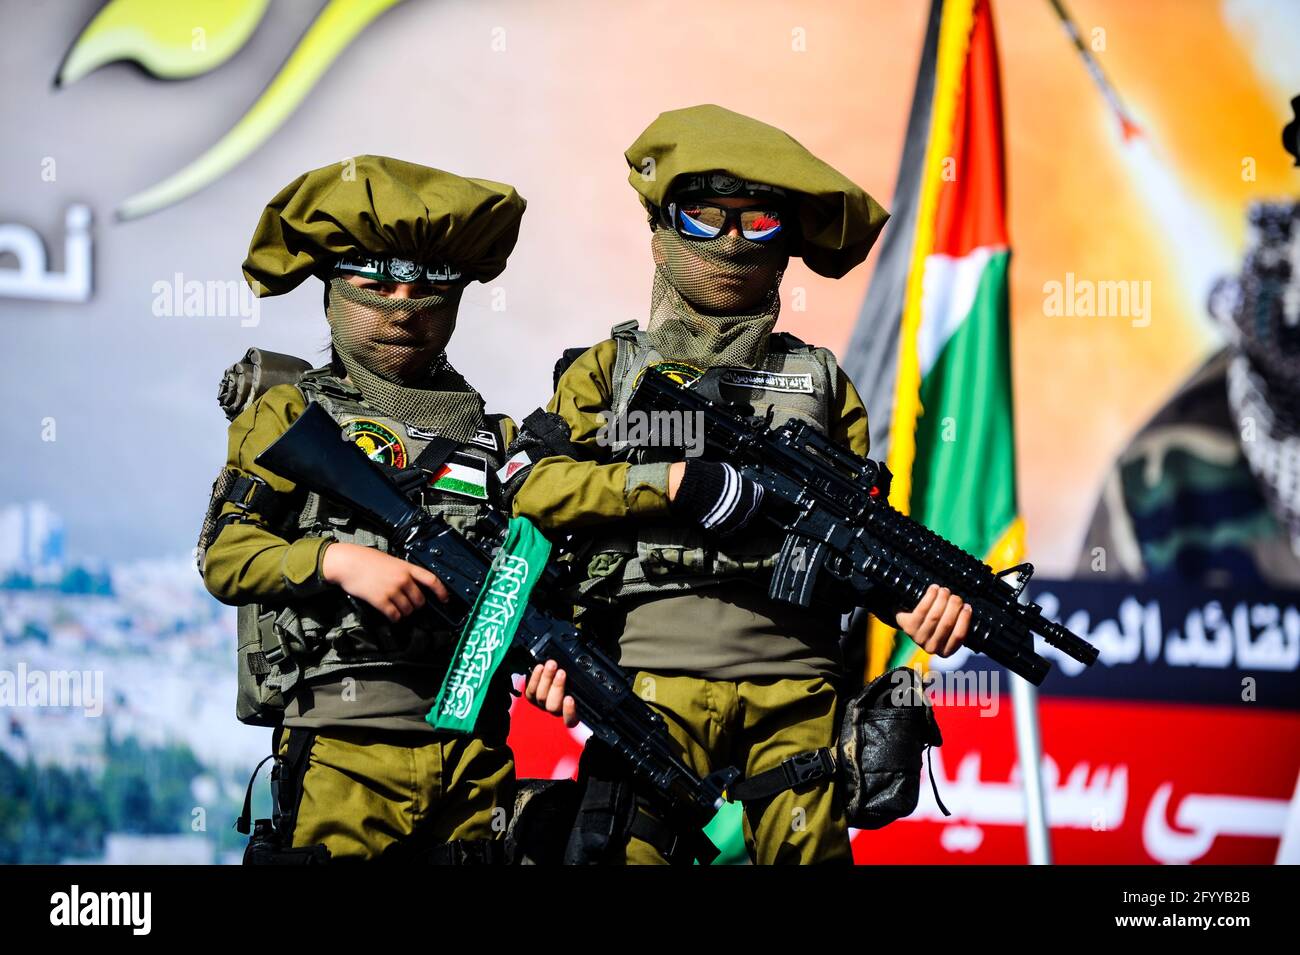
(329, 634)
(795, 380)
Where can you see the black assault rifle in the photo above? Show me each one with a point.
(314, 454)
(841, 532)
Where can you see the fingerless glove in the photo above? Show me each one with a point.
(717, 497)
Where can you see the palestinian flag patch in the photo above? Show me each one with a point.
(464, 475)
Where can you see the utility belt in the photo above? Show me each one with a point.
(885, 730)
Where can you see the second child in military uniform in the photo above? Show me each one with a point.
(675, 564)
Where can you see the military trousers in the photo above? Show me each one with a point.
(754, 726)
(371, 794)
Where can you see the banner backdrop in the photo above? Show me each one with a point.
(143, 138)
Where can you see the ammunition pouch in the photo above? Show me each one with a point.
(267, 638)
(672, 556)
(603, 822)
(541, 821)
(609, 810)
(884, 732)
(269, 645)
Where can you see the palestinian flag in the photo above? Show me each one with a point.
(934, 335)
(462, 474)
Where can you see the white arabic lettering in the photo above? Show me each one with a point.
(32, 279)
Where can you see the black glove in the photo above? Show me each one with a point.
(716, 497)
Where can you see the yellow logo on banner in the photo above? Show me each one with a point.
(179, 40)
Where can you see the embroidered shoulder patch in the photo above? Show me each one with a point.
(678, 372)
(378, 441)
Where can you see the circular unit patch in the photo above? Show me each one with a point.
(678, 372)
(378, 441)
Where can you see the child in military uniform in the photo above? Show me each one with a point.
(353, 653)
(675, 562)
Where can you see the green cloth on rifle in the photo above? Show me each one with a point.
(490, 627)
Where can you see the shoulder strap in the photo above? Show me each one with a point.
(629, 339)
(435, 454)
(832, 367)
(630, 329)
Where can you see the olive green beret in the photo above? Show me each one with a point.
(382, 207)
(838, 221)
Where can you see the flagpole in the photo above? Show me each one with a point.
(1288, 850)
(1029, 750)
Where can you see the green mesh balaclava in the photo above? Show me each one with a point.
(714, 302)
(394, 351)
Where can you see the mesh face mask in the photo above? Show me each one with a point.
(394, 352)
(1260, 310)
(714, 302)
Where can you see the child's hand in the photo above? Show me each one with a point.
(546, 689)
(939, 623)
(390, 585)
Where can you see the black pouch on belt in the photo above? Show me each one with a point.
(885, 731)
